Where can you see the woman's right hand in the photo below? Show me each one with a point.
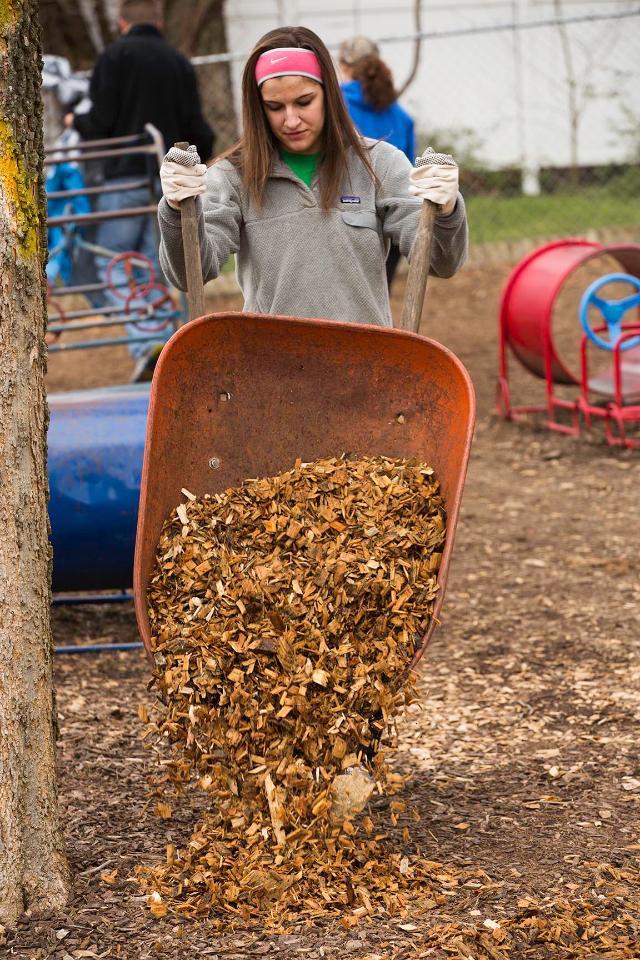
(182, 175)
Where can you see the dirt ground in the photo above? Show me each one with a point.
(522, 763)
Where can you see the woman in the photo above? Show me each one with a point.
(373, 106)
(307, 205)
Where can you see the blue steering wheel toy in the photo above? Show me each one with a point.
(613, 311)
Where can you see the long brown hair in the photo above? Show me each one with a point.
(376, 81)
(253, 153)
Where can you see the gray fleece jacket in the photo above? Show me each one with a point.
(295, 259)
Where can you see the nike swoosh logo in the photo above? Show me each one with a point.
(278, 60)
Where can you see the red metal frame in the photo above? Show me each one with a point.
(620, 410)
(525, 330)
(129, 260)
(148, 309)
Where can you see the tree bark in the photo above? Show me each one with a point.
(76, 30)
(199, 28)
(33, 867)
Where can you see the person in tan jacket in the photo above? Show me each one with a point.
(308, 206)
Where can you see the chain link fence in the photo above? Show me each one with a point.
(548, 134)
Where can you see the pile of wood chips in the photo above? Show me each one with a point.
(285, 615)
(603, 923)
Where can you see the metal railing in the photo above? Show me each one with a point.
(136, 305)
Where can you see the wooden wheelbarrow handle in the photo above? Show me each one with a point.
(419, 269)
(191, 248)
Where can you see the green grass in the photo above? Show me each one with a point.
(499, 219)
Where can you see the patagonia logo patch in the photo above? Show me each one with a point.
(349, 199)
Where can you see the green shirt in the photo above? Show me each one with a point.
(303, 165)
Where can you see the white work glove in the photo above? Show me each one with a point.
(435, 178)
(182, 175)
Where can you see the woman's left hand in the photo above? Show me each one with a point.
(437, 182)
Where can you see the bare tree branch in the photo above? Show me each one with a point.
(75, 29)
(417, 47)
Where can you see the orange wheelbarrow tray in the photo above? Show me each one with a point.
(240, 395)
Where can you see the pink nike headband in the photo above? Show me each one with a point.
(286, 62)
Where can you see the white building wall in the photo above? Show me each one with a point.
(508, 88)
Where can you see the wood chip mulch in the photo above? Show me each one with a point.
(285, 615)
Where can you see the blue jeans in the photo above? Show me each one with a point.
(119, 236)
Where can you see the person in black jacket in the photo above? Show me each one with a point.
(140, 79)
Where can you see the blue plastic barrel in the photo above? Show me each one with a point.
(96, 445)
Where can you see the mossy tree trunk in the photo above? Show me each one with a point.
(33, 867)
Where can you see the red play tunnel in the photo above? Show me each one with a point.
(531, 292)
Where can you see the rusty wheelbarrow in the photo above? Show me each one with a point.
(240, 395)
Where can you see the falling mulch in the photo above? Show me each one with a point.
(285, 615)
